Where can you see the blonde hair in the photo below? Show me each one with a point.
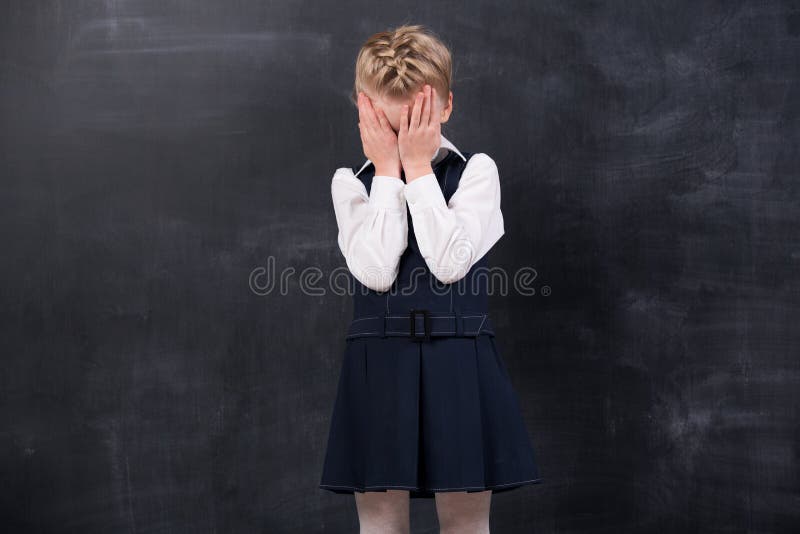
(397, 62)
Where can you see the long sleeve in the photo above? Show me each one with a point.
(373, 229)
(453, 235)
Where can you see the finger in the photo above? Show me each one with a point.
(403, 122)
(416, 112)
(363, 117)
(384, 122)
(363, 130)
(369, 112)
(425, 119)
(368, 121)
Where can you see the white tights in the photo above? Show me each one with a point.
(387, 512)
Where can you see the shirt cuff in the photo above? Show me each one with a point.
(424, 192)
(387, 192)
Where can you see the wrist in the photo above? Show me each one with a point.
(414, 171)
(388, 170)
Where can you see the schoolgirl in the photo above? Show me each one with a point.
(425, 406)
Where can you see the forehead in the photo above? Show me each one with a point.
(387, 102)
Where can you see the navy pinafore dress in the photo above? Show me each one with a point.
(424, 401)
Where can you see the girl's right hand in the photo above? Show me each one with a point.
(378, 138)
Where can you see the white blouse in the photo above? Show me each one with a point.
(452, 236)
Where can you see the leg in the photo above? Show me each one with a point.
(383, 512)
(462, 512)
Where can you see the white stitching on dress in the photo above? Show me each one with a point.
(407, 316)
(405, 333)
(449, 332)
(492, 486)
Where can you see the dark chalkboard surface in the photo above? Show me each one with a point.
(161, 162)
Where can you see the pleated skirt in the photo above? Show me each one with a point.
(426, 417)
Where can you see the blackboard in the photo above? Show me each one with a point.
(159, 158)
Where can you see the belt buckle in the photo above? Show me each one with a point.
(426, 321)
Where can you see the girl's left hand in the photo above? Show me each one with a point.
(420, 136)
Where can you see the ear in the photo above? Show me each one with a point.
(447, 109)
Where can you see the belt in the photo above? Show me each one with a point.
(421, 325)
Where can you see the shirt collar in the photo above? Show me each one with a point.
(444, 146)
